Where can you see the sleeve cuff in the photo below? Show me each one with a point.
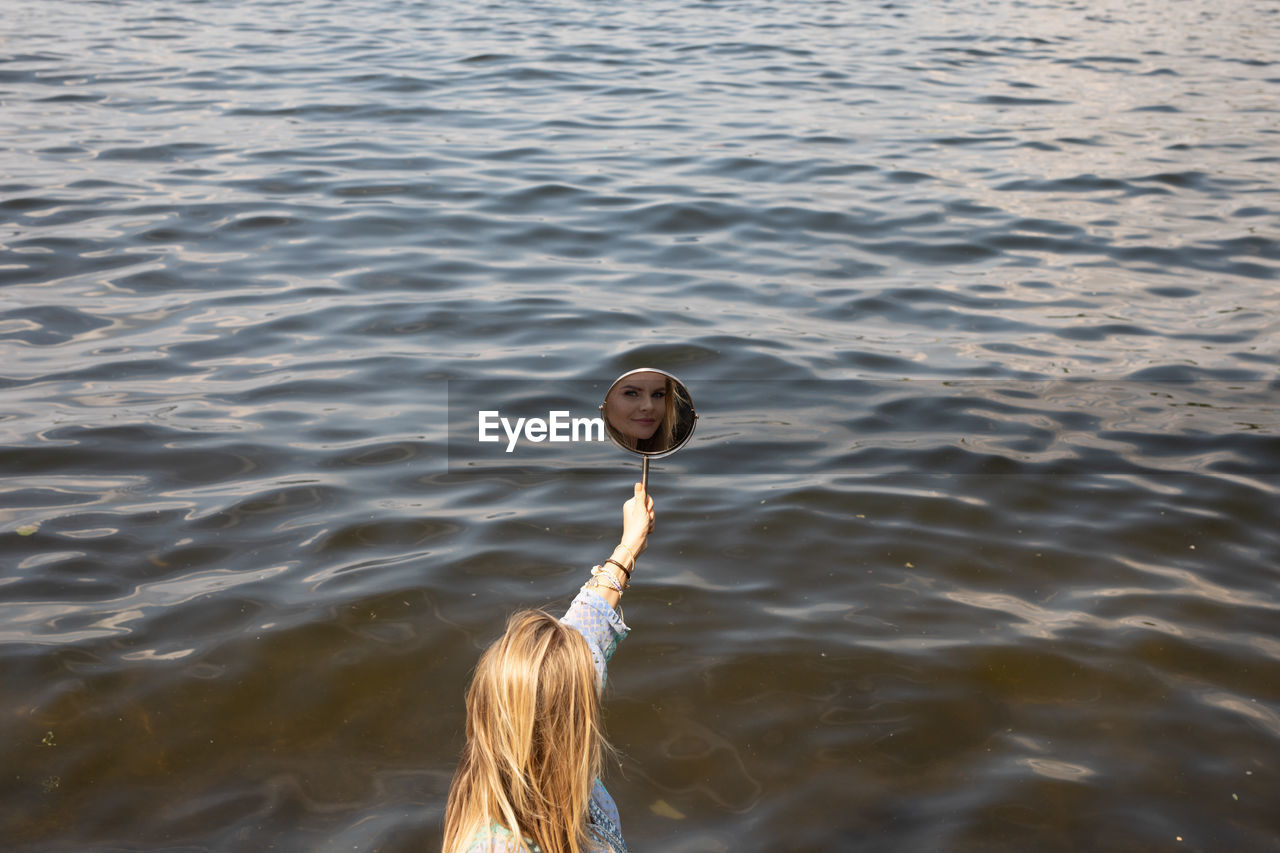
(600, 624)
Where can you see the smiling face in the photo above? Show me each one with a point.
(636, 405)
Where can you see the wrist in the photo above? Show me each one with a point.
(607, 577)
(632, 547)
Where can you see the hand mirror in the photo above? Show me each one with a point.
(650, 413)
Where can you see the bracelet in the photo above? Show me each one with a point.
(629, 554)
(621, 584)
(625, 570)
(600, 572)
(596, 583)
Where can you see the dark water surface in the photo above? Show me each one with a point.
(975, 547)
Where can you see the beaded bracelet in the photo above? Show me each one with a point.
(599, 572)
(595, 584)
(626, 576)
(616, 582)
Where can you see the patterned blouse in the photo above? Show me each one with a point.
(603, 627)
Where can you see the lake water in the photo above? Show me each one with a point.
(974, 548)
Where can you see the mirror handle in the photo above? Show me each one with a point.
(644, 475)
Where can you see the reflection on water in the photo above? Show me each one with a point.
(973, 548)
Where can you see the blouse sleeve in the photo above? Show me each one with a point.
(600, 624)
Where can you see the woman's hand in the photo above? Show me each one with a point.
(637, 521)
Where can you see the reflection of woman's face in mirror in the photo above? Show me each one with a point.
(648, 412)
(638, 406)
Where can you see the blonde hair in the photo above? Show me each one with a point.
(668, 426)
(673, 418)
(534, 744)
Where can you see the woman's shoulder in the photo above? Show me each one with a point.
(498, 839)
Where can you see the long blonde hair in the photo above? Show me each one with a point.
(534, 744)
(675, 419)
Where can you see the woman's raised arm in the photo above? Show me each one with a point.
(637, 522)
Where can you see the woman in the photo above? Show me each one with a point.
(645, 411)
(528, 781)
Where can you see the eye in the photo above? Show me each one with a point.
(659, 394)
(631, 392)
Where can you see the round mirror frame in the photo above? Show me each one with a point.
(653, 454)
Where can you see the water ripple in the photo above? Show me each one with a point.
(973, 548)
